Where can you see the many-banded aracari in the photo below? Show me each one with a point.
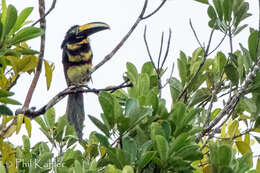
(77, 62)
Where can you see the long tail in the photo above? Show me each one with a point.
(75, 112)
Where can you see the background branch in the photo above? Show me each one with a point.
(120, 44)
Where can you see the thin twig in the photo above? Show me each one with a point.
(160, 52)
(149, 53)
(46, 14)
(156, 10)
(231, 104)
(13, 83)
(202, 62)
(221, 41)
(195, 34)
(167, 49)
(120, 44)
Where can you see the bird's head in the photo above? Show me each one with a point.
(78, 33)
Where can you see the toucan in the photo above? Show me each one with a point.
(77, 64)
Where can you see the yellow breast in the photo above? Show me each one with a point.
(79, 74)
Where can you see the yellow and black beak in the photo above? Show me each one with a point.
(91, 28)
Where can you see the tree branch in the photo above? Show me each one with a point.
(32, 113)
(231, 103)
(46, 14)
(120, 44)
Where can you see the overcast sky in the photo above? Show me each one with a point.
(120, 15)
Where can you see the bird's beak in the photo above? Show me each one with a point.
(91, 28)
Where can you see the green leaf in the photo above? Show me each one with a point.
(233, 128)
(162, 148)
(5, 110)
(2, 167)
(102, 139)
(4, 93)
(28, 126)
(227, 9)
(232, 73)
(132, 73)
(42, 124)
(182, 67)
(130, 146)
(243, 147)
(19, 122)
(10, 19)
(146, 157)
(200, 95)
(26, 143)
(9, 101)
(239, 29)
(253, 44)
(203, 1)
(100, 125)
(49, 68)
(49, 117)
(148, 68)
(175, 88)
(212, 13)
(221, 61)
(21, 19)
(218, 6)
(131, 106)
(225, 155)
(26, 34)
(128, 169)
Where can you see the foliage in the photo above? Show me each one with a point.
(137, 131)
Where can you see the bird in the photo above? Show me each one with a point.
(77, 63)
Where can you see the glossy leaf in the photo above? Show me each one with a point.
(227, 9)
(130, 146)
(26, 34)
(6, 100)
(175, 88)
(253, 43)
(162, 148)
(146, 157)
(28, 126)
(243, 147)
(102, 139)
(128, 169)
(100, 125)
(4, 110)
(11, 17)
(21, 19)
(4, 93)
(203, 1)
(232, 73)
(19, 122)
(49, 68)
(218, 6)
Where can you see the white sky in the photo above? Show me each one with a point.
(120, 15)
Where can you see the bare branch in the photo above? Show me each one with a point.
(167, 49)
(46, 14)
(120, 44)
(149, 53)
(160, 52)
(195, 34)
(13, 83)
(231, 103)
(202, 62)
(221, 41)
(32, 113)
(156, 10)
